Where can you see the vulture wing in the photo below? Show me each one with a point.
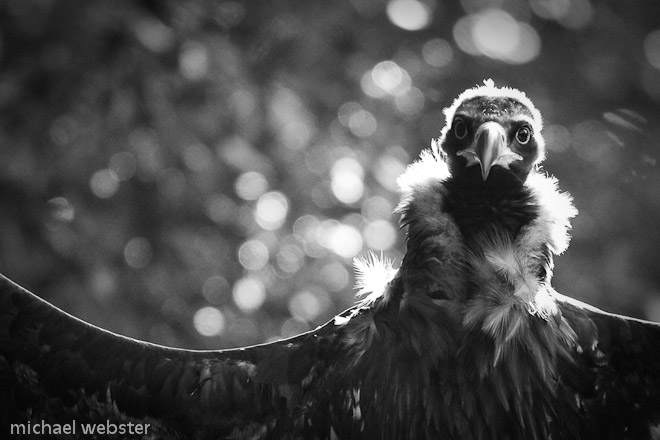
(615, 377)
(55, 367)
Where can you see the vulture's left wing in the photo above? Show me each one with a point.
(57, 368)
(615, 377)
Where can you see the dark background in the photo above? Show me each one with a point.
(201, 173)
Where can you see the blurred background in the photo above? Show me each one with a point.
(202, 173)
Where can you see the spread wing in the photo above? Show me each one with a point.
(615, 375)
(55, 367)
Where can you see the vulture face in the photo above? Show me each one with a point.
(490, 128)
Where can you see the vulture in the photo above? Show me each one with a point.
(466, 339)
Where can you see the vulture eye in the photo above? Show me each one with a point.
(523, 135)
(460, 129)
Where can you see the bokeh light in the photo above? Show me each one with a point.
(138, 252)
(376, 208)
(358, 120)
(249, 294)
(387, 169)
(496, 34)
(309, 230)
(104, 183)
(391, 78)
(209, 321)
(305, 306)
(153, 34)
(290, 258)
(411, 103)
(380, 235)
(573, 14)
(253, 255)
(334, 275)
(271, 210)
(344, 240)
(250, 185)
(438, 52)
(551, 9)
(411, 15)
(347, 184)
(123, 164)
(193, 61)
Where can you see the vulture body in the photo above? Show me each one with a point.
(465, 340)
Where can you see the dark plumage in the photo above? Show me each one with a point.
(466, 340)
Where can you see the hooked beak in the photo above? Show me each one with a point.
(489, 149)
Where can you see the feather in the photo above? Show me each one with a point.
(556, 211)
(372, 275)
(429, 168)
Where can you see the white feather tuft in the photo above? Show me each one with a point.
(431, 167)
(557, 210)
(372, 275)
(544, 305)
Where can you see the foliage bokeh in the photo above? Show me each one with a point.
(201, 173)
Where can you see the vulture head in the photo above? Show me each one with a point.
(493, 132)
